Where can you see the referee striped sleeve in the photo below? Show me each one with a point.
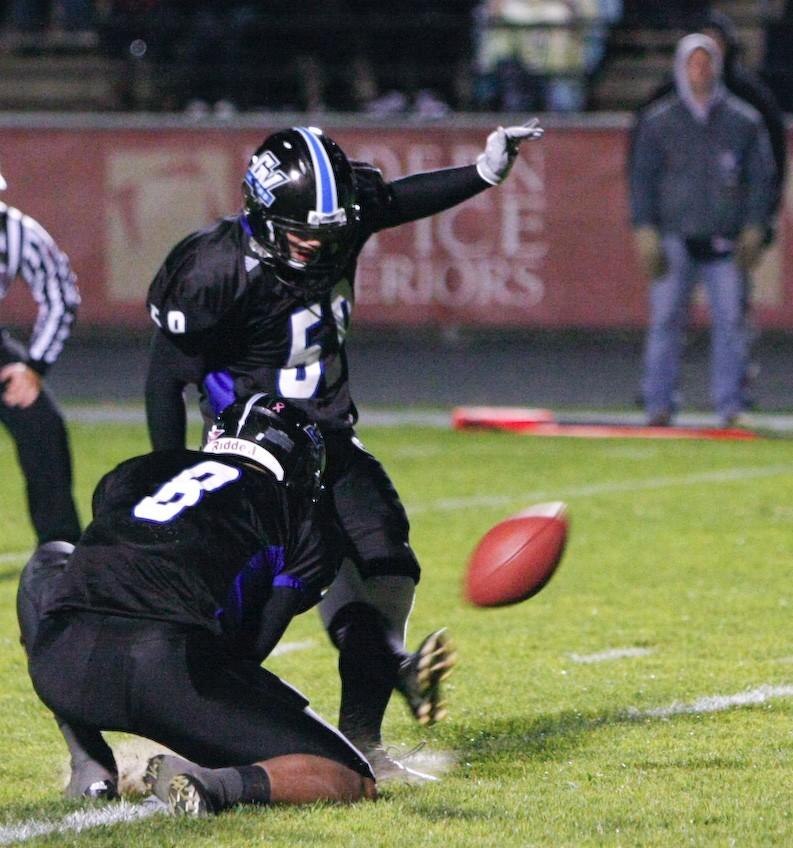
(53, 284)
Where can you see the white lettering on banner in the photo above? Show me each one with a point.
(487, 281)
(528, 172)
(488, 251)
(521, 221)
(423, 240)
(424, 157)
(455, 245)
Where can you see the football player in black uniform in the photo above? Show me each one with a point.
(261, 301)
(189, 573)
(27, 408)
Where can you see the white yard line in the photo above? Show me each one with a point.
(116, 813)
(291, 647)
(717, 703)
(727, 475)
(125, 811)
(15, 556)
(611, 654)
(438, 418)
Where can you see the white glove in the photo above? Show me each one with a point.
(501, 149)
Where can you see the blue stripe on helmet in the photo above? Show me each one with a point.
(327, 198)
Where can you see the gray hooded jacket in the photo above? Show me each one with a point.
(701, 171)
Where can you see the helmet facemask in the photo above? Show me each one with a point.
(329, 246)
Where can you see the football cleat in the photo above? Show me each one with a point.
(388, 769)
(101, 790)
(421, 674)
(161, 769)
(187, 796)
(92, 780)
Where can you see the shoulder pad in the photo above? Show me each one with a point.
(200, 279)
(370, 186)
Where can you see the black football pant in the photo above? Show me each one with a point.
(365, 523)
(373, 531)
(168, 682)
(42, 447)
(178, 686)
(367, 510)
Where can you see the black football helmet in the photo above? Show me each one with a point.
(299, 183)
(273, 434)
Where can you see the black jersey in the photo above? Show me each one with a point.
(215, 299)
(192, 538)
(229, 324)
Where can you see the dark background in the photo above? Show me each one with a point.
(415, 368)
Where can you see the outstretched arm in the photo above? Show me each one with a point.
(420, 195)
(34, 254)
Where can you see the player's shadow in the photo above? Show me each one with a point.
(544, 737)
(10, 573)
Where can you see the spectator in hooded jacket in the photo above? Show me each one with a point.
(702, 181)
(748, 86)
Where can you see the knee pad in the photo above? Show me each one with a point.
(38, 579)
(404, 565)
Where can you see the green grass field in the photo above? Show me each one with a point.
(607, 710)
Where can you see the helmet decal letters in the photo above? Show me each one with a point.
(263, 177)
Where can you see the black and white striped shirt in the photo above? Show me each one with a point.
(29, 251)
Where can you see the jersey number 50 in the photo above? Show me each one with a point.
(301, 375)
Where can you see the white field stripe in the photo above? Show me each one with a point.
(15, 556)
(717, 703)
(291, 647)
(611, 654)
(115, 813)
(371, 417)
(726, 475)
(125, 811)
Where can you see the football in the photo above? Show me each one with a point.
(517, 557)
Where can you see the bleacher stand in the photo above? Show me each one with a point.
(26, 17)
(540, 54)
(777, 65)
(426, 59)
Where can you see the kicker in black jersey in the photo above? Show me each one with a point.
(245, 306)
(263, 301)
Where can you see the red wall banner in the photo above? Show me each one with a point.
(550, 247)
